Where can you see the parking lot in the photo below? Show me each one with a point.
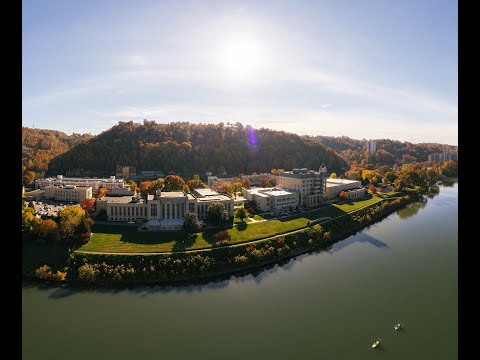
(49, 207)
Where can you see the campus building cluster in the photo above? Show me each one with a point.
(302, 187)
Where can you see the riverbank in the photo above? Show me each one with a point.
(107, 270)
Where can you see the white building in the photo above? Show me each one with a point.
(95, 183)
(272, 199)
(352, 187)
(68, 193)
(164, 210)
(309, 184)
(371, 147)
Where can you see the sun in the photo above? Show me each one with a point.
(241, 57)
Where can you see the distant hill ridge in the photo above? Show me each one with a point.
(389, 152)
(185, 148)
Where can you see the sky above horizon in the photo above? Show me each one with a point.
(362, 69)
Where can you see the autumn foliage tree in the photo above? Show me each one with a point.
(47, 229)
(133, 185)
(28, 177)
(73, 224)
(343, 195)
(101, 192)
(267, 182)
(246, 183)
(88, 205)
(196, 183)
(333, 175)
(276, 172)
(144, 186)
(173, 182)
(226, 188)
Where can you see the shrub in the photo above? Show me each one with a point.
(221, 235)
(88, 272)
(44, 272)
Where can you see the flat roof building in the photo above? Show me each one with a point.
(272, 199)
(164, 210)
(309, 184)
(336, 186)
(68, 193)
(95, 183)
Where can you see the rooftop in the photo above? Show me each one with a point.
(218, 197)
(172, 194)
(204, 192)
(120, 200)
(300, 174)
(336, 182)
(81, 179)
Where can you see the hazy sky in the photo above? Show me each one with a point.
(364, 69)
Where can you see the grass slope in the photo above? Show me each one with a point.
(111, 238)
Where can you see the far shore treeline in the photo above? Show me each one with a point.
(186, 149)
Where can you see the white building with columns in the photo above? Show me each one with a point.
(164, 210)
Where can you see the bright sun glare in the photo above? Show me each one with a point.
(241, 57)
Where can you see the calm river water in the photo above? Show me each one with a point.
(329, 305)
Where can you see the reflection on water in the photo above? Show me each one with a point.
(411, 209)
(362, 237)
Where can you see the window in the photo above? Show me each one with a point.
(153, 210)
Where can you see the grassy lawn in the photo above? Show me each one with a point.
(110, 238)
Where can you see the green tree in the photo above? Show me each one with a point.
(242, 214)
(191, 224)
(216, 213)
(173, 182)
(389, 177)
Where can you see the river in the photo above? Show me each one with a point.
(327, 305)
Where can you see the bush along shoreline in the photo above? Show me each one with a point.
(104, 270)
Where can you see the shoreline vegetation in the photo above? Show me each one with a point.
(117, 270)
